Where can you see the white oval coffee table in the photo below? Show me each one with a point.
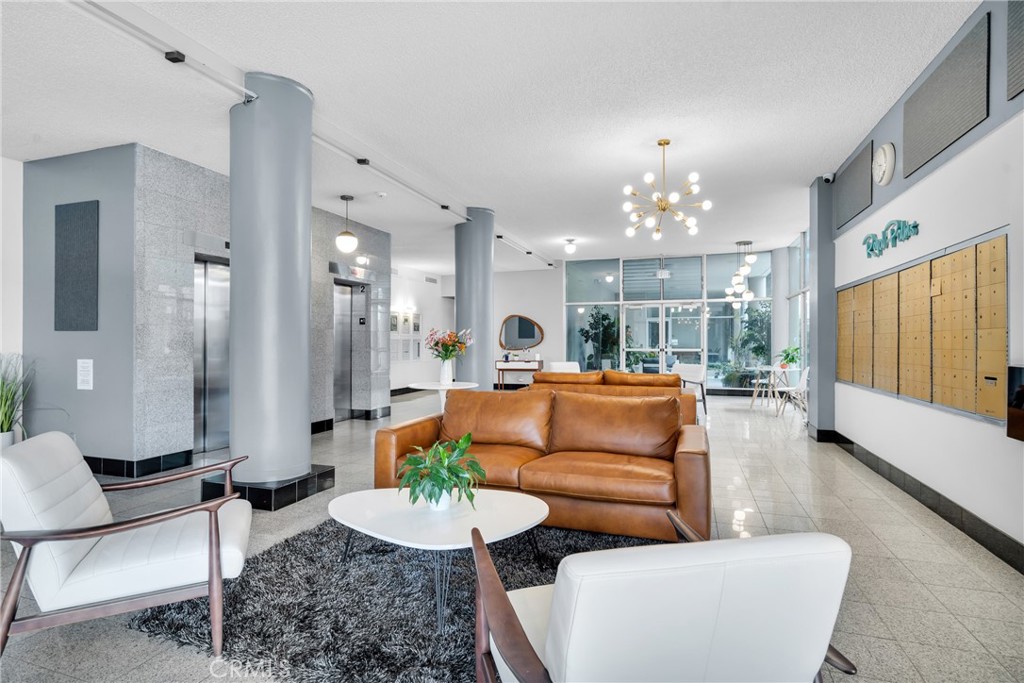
(387, 514)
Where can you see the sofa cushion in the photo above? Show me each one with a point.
(518, 418)
(594, 377)
(647, 425)
(502, 463)
(613, 477)
(642, 379)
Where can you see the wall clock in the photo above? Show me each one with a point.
(884, 163)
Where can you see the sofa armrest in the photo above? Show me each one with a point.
(693, 478)
(688, 406)
(392, 444)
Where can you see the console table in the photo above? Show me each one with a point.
(503, 366)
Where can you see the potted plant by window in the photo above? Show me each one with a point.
(436, 473)
(15, 379)
(789, 356)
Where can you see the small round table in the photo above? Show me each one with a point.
(386, 514)
(443, 389)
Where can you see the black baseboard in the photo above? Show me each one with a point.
(826, 435)
(321, 426)
(404, 390)
(372, 413)
(139, 468)
(1007, 549)
(728, 391)
(274, 495)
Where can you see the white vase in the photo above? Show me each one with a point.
(447, 371)
(6, 439)
(444, 502)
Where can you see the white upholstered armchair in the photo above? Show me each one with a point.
(81, 565)
(758, 609)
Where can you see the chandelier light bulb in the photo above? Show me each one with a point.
(740, 287)
(630, 231)
(744, 269)
(678, 216)
(362, 260)
(570, 246)
(695, 188)
(706, 204)
(609, 279)
(628, 189)
(748, 295)
(691, 222)
(736, 278)
(648, 177)
(656, 196)
(750, 258)
(736, 305)
(346, 242)
(650, 222)
(580, 310)
(673, 197)
(729, 291)
(729, 297)
(656, 235)
(692, 230)
(627, 206)
(694, 177)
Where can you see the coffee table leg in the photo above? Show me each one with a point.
(348, 544)
(442, 580)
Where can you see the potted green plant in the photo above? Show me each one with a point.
(789, 356)
(434, 474)
(15, 380)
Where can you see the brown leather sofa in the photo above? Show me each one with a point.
(612, 464)
(615, 383)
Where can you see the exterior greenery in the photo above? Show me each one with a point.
(602, 332)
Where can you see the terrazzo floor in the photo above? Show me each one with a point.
(923, 603)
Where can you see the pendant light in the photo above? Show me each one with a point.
(346, 241)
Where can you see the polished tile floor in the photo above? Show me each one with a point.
(923, 603)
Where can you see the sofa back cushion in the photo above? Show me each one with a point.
(687, 397)
(647, 425)
(517, 418)
(640, 379)
(594, 377)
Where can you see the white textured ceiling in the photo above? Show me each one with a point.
(541, 111)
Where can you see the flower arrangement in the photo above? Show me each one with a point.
(449, 344)
(439, 471)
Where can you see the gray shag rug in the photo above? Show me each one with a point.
(300, 614)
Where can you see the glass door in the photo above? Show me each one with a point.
(641, 341)
(684, 334)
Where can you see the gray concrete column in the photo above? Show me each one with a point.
(474, 295)
(821, 410)
(271, 203)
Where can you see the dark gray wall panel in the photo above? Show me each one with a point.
(852, 189)
(76, 267)
(952, 101)
(1015, 49)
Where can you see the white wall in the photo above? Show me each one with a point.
(536, 294)
(411, 291)
(11, 256)
(969, 461)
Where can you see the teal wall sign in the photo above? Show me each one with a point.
(894, 232)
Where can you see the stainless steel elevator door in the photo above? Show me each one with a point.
(212, 398)
(342, 352)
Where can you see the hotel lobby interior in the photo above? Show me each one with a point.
(373, 341)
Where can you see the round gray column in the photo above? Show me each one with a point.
(474, 295)
(271, 200)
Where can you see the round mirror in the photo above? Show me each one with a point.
(519, 333)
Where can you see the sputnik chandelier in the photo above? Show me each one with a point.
(651, 210)
(745, 257)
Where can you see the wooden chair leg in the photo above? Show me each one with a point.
(216, 584)
(10, 604)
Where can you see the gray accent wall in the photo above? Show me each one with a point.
(154, 211)
(371, 299)
(102, 419)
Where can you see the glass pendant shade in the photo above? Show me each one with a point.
(650, 222)
(751, 258)
(744, 269)
(692, 230)
(627, 206)
(346, 242)
(736, 305)
(570, 247)
(748, 295)
(628, 189)
(706, 205)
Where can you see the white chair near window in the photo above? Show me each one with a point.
(693, 374)
(797, 395)
(564, 366)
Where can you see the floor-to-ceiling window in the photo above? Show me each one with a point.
(646, 315)
(798, 298)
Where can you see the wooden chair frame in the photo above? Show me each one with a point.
(213, 588)
(833, 657)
